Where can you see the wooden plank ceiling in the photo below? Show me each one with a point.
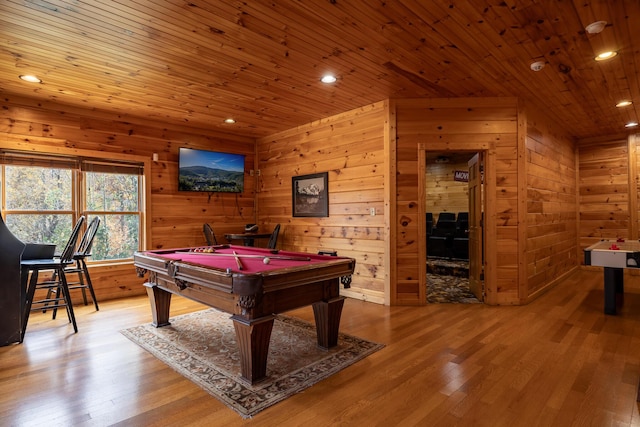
(259, 62)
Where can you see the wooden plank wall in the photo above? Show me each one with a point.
(551, 194)
(609, 192)
(350, 147)
(634, 185)
(604, 191)
(176, 218)
(462, 124)
(179, 216)
(443, 193)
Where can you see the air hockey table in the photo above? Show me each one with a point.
(614, 256)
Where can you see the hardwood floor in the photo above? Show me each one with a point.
(558, 361)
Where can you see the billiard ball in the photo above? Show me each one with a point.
(266, 260)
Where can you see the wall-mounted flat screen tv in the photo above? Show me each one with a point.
(210, 171)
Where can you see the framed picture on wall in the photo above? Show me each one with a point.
(310, 195)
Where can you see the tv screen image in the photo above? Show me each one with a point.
(210, 171)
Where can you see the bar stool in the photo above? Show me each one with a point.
(273, 240)
(209, 235)
(80, 267)
(58, 283)
(345, 280)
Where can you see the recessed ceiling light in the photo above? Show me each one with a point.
(631, 124)
(596, 27)
(30, 78)
(624, 103)
(606, 55)
(537, 66)
(328, 78)
(229, 121)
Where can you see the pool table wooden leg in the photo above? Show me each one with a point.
(253, 338)
(160, 301)
(327, 315)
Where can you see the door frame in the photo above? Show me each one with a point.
(475, 165)
(489, 207)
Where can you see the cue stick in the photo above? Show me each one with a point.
(284, 257)
(238, 261)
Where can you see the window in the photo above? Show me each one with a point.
(113, 192)
(42, 197)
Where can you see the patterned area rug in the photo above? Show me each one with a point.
(202, 347)
(448, 282)
(449, 289)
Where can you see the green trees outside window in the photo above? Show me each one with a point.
(42, 199)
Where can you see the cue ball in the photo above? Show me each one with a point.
(266, 260)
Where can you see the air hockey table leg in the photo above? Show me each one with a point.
(613, 289)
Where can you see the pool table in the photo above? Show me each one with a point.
(238, 280)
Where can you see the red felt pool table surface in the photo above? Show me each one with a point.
(251, 258)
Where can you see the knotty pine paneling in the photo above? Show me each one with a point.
(608, 190)
(634, 184)
(551, 193)
(461, 124)
(350, 147)
(603, 191)
(443, 193)
(176, 218)
(189, 62)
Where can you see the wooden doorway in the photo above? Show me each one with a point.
(460, 251)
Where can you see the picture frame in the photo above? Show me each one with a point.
(310, 195)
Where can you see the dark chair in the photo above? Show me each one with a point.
(444, 229)
(344, 280)
(274, 237)
(439, 247)
(462, 229)
(446, 216)
(209, 235)
(429, 223)
(461, 248)
(445, 226)
(80, 267)
(58, 283)
(462, 224)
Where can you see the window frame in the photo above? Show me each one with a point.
(43, 154)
